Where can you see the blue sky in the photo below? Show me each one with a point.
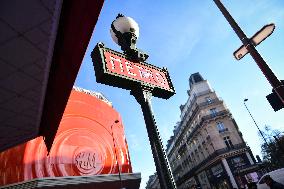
(186, 37)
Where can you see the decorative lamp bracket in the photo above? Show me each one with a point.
(127, 41)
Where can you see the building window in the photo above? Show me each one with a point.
(217, 170)
(238, 161)
(205, 130)
(221, 127)
(213, 112)
(228, 142)
(193, 157)
(197, 155)
(201, 152)
(207, 151)
(208, 100)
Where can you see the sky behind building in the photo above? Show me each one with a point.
(186, 37)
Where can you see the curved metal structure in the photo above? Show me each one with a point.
(89, 135)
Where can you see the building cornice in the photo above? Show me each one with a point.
(93, 93)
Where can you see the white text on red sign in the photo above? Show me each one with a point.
(136, 71)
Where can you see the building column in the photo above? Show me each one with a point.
(229, 172)
(249, 158)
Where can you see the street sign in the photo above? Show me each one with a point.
(144, 80)
(256, 39)
(262, 34)
(241, 52)
(128, 70)
(115, 69)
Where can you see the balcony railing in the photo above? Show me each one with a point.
(179, 134)
(204, 118)
(212, 101)
(207, 117)
(224, 130)
(192, 102)
(202, 93)
(213, 115)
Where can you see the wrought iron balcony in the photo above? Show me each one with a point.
(224, 130)
(212, 101)
(214, 115)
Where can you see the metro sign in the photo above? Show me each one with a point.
(115, 69)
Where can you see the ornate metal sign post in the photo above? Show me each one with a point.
(128, 70)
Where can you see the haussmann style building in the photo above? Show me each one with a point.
(207, 148)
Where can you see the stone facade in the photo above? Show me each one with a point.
(207, 148)
(153, 182)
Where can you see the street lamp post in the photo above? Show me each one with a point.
(143, 97)
(276, 159)
(128, 70)
(116, 159)
(125, 32)
(249, 46)
(255, 122)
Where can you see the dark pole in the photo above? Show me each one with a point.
(273, 157)
(143, 97)
(276, 84)
(118, 166)
(255, 123)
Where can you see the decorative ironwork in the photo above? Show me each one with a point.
(127, 42)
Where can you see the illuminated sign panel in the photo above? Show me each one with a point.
(114, 68)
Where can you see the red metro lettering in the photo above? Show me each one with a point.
(121, 66)
(129, 67)
(113, 60)
(161, 79)
(145, 73)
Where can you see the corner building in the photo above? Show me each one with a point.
(207, 148)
